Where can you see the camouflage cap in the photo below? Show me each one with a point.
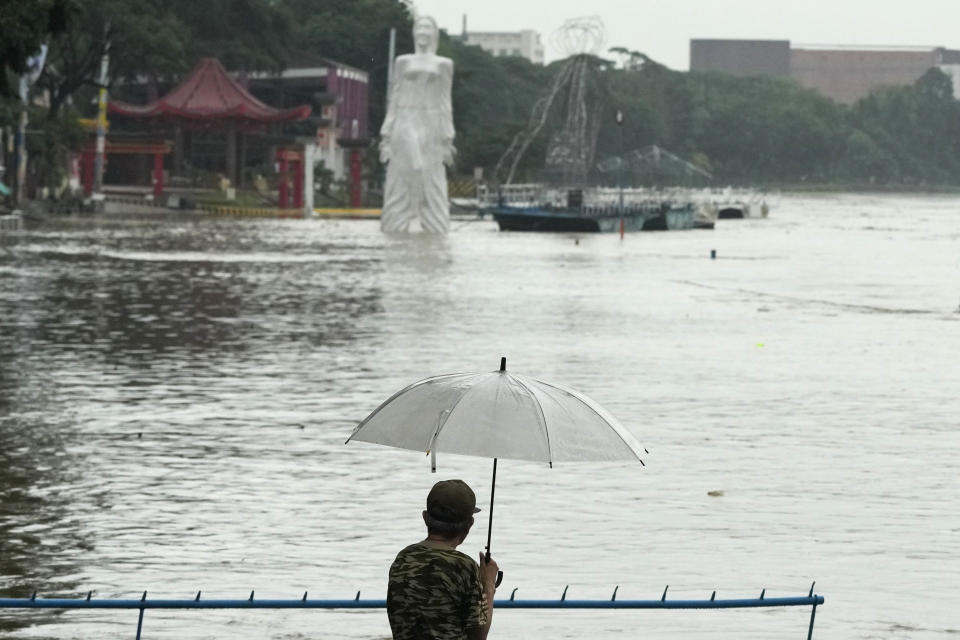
(451, 501)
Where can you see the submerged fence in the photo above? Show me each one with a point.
(810, 600)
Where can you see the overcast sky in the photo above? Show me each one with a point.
(663, 29)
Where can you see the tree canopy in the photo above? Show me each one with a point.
(25, 25)
(763, 130)
(743, 130)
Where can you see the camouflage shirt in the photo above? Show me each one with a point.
(434, 594)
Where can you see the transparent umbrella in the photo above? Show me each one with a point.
(497, 414)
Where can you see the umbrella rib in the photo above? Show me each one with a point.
(391, 399)
(543, 418)
(592, 408)
(433, 441)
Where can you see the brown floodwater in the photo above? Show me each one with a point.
(174, 398)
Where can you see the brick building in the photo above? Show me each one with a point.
(843, 73)
(741, 57)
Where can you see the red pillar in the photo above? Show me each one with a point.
(86, 171)
(297, 184)
(157, 176)
(356, 178)
(282, 188)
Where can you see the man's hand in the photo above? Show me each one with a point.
(488, 573)
(488, 582)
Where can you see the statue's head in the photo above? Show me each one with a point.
(426, 34)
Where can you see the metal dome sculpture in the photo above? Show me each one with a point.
(577, 94)
(580, 36)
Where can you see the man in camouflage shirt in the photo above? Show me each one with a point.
(436, 592)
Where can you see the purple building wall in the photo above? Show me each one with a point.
(350, 86)
(303, 79)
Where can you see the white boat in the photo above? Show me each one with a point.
(732, 203)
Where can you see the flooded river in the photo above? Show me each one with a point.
(174, 399)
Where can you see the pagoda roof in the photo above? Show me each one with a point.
(209, 94)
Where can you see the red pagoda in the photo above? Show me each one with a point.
(208, 99)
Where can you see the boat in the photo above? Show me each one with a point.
(733, 204)
(703, 220)
(536, 208)
(654, 217)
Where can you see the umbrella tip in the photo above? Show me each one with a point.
(503, 363)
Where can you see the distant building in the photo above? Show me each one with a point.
(843, 73)
(847, 74)
(741, 57)
(525, 44)
(950, 65)
(340, 95)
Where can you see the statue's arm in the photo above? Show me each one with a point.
(386, 130)
(446, 110)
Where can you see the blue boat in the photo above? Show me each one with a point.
(647, 216)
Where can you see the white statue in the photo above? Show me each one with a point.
(417, 136)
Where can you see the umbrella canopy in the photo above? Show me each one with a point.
(498, 415)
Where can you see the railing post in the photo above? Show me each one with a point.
(563, 602)
(813, 614)
(140, 620)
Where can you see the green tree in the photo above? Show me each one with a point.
(245, 35)
(865, 161)
(492, 101)
(755, 129)
(159, 39)
(24, 26)
(141, 36)
(916, 127)
(60, 133)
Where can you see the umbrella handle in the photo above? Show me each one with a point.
(493, 489)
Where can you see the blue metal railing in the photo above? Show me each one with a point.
(810, 600)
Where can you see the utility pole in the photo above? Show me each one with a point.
(34, 68)
(20, 162)
(619, 119)
(309, 159)
(391, 54)
(97, 195)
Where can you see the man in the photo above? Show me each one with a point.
(436, 592)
